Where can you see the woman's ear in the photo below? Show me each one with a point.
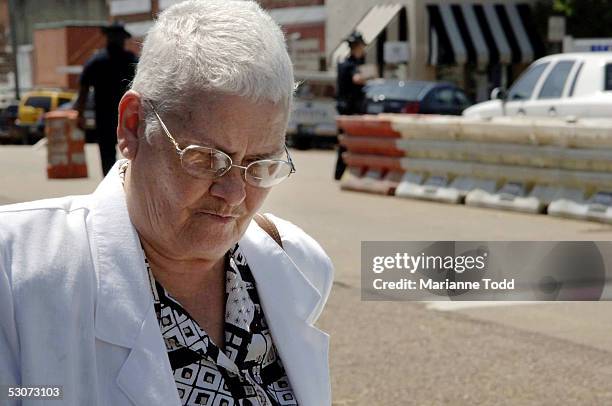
(129, 123)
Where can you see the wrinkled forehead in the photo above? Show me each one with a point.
(231, 123)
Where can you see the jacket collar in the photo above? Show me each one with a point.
(124, 313)
(288, 299)
(123, 296)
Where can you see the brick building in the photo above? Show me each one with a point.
(303, 22)
(47, 22)
(55, 37)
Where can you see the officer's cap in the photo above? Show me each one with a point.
(116, 28)
(354, 38)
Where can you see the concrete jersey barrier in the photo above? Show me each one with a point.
(524, 164)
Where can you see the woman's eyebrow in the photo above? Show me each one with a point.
(253, 157)
(268, 155)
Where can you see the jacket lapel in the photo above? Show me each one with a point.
(146, 376)
(124, 312)
(288, 300)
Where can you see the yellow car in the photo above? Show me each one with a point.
(32, 107)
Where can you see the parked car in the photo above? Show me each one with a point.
(89, 113)
(313, 117)
(8, 130)
(8, 116)
(561, 85)
(414, 97)
(32, 107)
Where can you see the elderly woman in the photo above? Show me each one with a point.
(160, 288)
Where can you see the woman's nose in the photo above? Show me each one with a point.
(230, 187)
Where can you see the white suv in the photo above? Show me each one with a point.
(563, 85)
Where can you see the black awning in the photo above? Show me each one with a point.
(482, 34)
(440, 49)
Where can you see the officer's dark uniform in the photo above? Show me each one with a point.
(349, 95)
(110, 72)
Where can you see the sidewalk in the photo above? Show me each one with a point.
(23, 176)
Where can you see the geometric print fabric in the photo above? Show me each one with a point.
(248, 371)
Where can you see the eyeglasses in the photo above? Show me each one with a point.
(209, 163)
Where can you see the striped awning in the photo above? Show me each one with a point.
(482, 34)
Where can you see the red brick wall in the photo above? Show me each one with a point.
(308, 31)
(49, 53)
(69, 46)
(133, 18)
(81, 43)
(6, 64)
(4, 17)
(290, 3)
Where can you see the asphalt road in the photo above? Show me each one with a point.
(405, 353)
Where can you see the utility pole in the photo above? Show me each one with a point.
(13, 24)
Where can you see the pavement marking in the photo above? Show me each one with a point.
(450, 306)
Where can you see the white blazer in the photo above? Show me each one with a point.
(76, 309)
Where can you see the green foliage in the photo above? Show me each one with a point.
(565, 7)
(585, 18)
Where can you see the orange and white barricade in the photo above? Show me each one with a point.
(535, 165)
(65, 145)
(372, 158)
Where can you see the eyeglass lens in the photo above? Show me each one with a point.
(202, 162)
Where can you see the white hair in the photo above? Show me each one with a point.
(214, 46)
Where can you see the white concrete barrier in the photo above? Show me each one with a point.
(598, 208)
(509, 154)
(583, 133)
(436, 188)
(533, 165)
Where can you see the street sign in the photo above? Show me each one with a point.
(556, 28)
(396, 52)
(587, 44)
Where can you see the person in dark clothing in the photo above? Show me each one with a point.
(110, 72)
(349, 88)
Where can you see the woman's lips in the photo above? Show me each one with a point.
(220, 218)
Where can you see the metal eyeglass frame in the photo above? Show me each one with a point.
(180, 151)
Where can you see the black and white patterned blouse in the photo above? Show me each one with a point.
(248, 371)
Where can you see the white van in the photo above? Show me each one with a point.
(563, 85)
(313, 119)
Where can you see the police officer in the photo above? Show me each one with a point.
(349, 88)
(110, 72)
